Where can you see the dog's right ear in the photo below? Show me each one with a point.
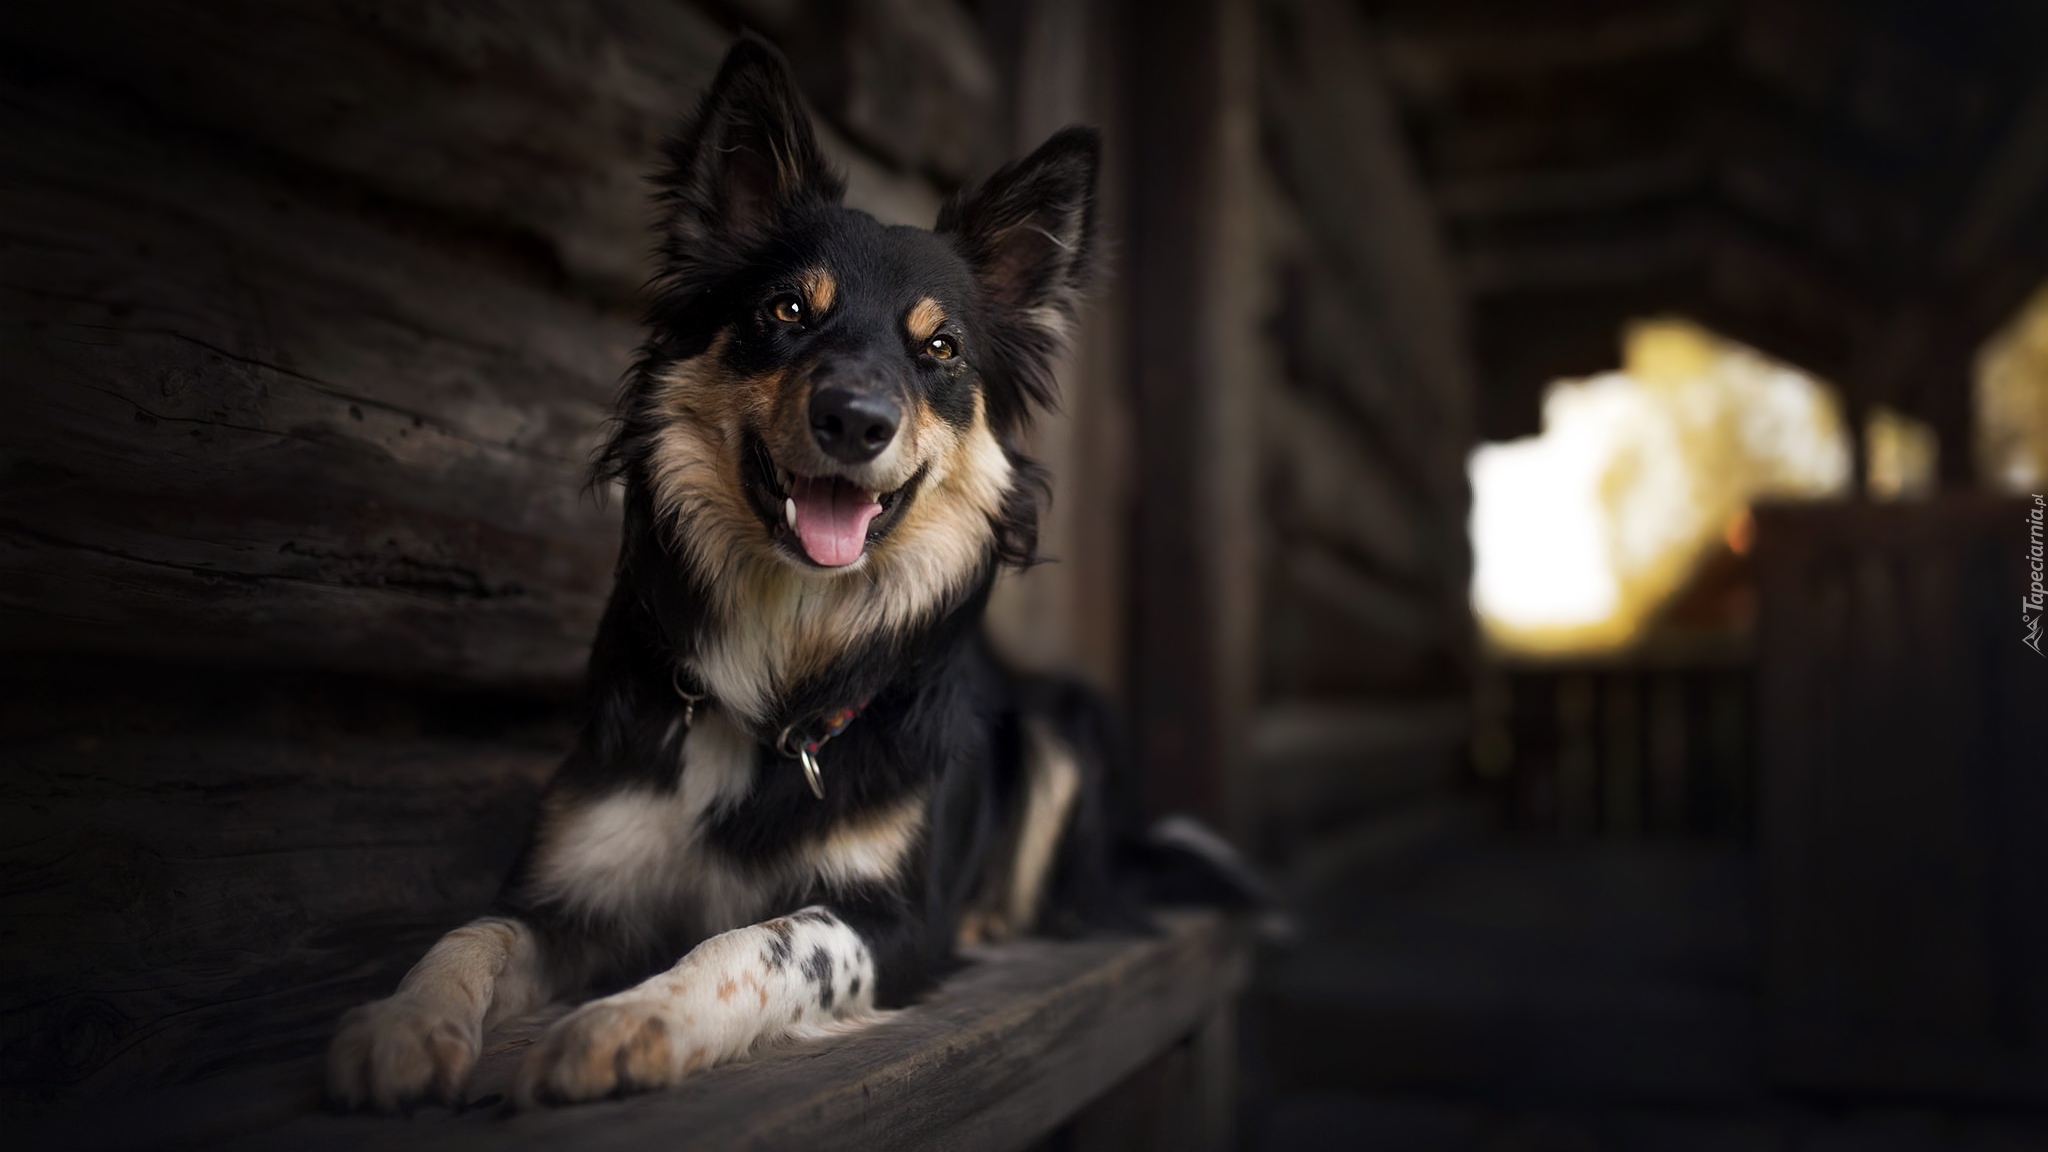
(744, 160)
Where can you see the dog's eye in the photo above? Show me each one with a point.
(940, 348)
(787, 309)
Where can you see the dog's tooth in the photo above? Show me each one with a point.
(789, 511)
(874, 497)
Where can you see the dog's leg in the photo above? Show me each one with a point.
(797, 975)
(422, 1041)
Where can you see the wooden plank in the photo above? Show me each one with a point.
(525, 116)
(1006, 1049)
(1326, 487)
(1905, 814)
(246, 424)
(1666, 174)
(1320, 767)
(911, 80)
(1433, 54)
(1334, 629)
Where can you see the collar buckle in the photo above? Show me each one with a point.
(690, 699)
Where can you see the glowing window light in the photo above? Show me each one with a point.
(2012, 402)
(1579, 534)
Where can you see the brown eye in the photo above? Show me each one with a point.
(787, 309)
(940, 348)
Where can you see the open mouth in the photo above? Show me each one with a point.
(823, 520)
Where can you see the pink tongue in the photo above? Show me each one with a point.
(832, 520)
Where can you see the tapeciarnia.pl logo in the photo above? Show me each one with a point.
(2030, 608)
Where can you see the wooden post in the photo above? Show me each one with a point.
(1070, 614)
(1191, 268)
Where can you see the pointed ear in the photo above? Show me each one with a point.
(1029, 231)
(745, 159)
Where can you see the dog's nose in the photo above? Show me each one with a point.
(853, 425)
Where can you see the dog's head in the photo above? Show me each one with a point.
(824, 397)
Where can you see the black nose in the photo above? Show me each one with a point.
(853, 425)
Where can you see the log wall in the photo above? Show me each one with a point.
(1366, 661)
(309, 317)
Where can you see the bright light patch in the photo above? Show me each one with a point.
(2012, 402)
(1581, 533)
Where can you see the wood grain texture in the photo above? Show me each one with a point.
(525, 116)
(176, 905)
(1195, 297)
(1368, 571)
(244, 424)
(1005, 1049)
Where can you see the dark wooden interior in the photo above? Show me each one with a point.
(310, 313)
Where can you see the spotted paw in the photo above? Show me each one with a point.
(608, 1047)
(391, 1054)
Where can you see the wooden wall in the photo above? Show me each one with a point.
(311, 315)
(1366, 658)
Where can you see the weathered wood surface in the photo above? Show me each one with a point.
(243, 423)
(1367, 575)
(179, 903)
(1327, 488)
(1004, 1051)
(1195, 291)
(1902, 736)
(1318, 768)
(527, 116)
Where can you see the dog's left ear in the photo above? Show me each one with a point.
(1029, 235)
(745, 160)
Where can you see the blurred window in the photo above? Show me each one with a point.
(1582, 533)
(2012, 402)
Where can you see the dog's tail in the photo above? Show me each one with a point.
(1110, 863)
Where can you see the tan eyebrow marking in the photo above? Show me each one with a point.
(923, 319)
(820, 289)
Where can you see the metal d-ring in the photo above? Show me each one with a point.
(813, 773)
(690, 699)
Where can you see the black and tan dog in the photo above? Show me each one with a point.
(801, 776)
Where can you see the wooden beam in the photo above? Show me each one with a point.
(1672, 174)
(1324, 766)
(248, 425)
(2007, 192)
(1006, 1049)
(1328, 486)
(1192, 273)
(1580, 262)
(531, 119)
(1433, 54)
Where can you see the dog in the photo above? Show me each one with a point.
(801, 776)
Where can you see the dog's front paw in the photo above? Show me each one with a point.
(393, 1053)
(620, 1044)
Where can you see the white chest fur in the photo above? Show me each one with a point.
(639, 856)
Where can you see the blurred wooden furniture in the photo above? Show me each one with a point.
(1902, 734)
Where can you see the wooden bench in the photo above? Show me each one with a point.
(1122, 1042)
